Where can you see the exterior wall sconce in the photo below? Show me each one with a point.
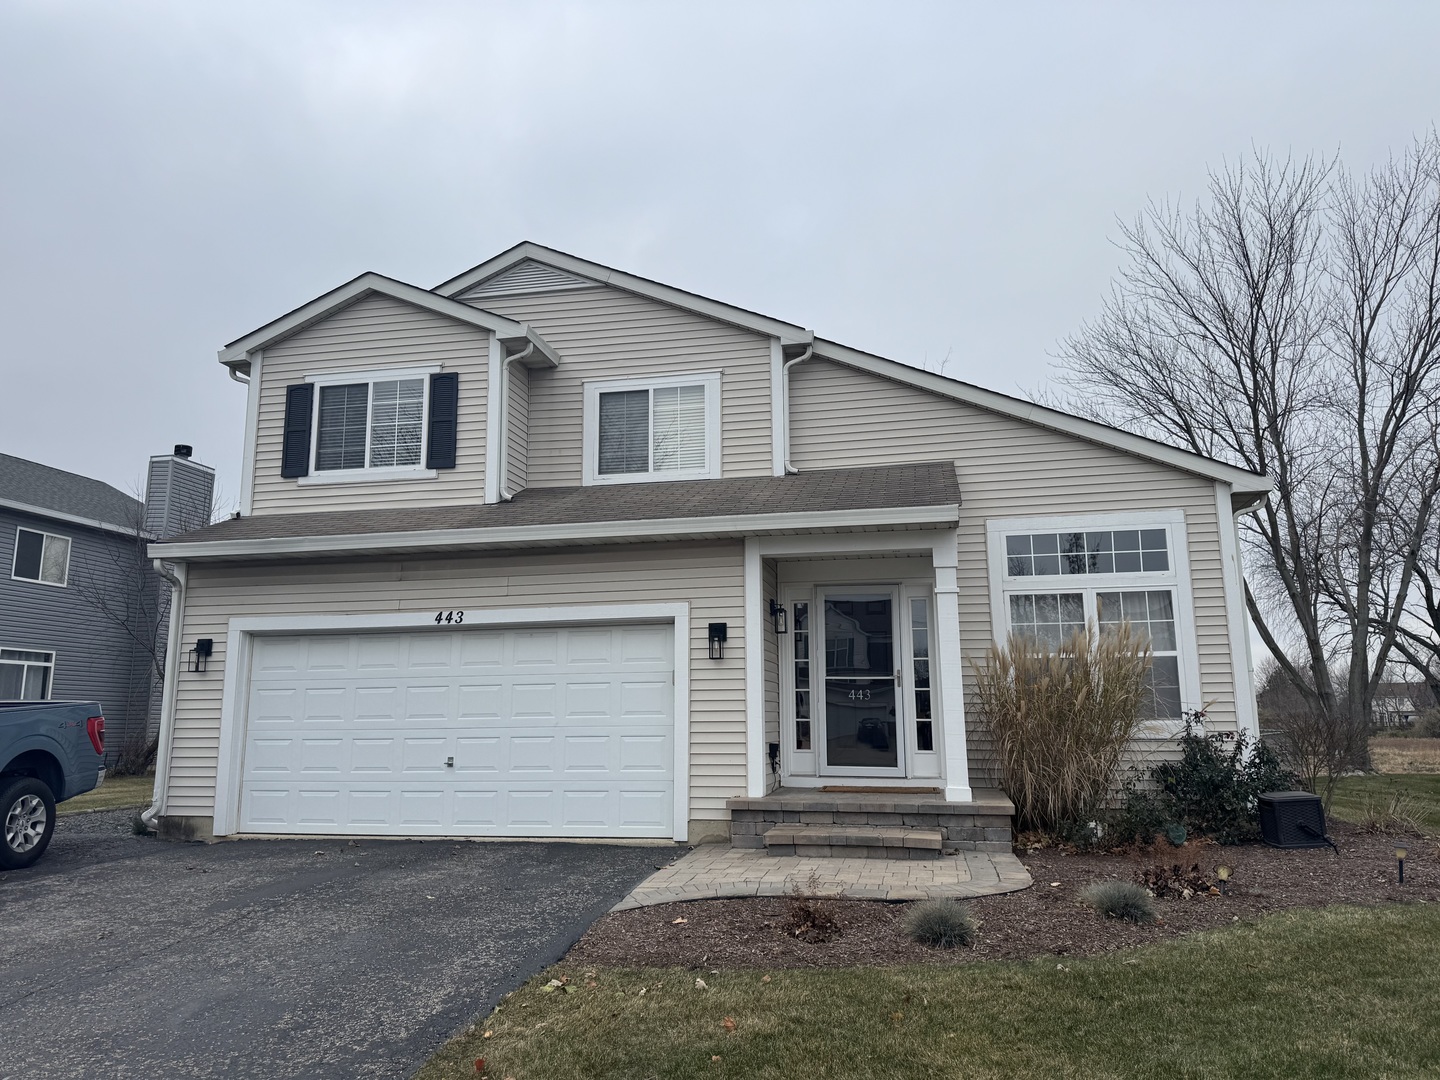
(777, 617)
(200, 654)
(719, 632)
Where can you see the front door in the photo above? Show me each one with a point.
(860, 723)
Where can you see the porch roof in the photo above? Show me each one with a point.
(923, 495)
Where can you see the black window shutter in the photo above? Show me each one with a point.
(295, 452)
(444, 420)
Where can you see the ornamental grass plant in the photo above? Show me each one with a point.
(1061, 718)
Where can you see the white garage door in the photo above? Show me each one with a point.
(542, 732)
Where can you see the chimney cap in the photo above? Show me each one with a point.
(183, 450)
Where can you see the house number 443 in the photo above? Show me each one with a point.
(449, 617)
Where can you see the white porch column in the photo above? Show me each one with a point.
(754, 673)
(946, 664)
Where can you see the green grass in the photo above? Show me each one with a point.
(1422, 792)
(117, 792)
(1341, 992)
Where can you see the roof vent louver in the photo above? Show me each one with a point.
(526, 277)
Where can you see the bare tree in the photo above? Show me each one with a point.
(1290, 324)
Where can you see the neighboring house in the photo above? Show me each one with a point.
(81, 609)
(554, 550)
(1399, 704)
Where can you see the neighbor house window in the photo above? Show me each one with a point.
(42, 557)
(1050, 583)
(25, 675)
(652, 429)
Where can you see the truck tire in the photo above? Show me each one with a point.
(27, 820)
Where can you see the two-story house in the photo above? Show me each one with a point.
(555, 550)
(82, 613)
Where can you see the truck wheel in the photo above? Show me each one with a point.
(27, 819)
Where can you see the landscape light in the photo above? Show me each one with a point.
(1223, 873)
(1400, 854)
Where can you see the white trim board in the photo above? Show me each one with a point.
(1237, 616)
(73, 519)
(595, 532)
(242, 631)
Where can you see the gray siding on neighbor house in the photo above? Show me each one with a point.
(96, 659)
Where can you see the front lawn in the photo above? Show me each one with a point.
(1355, 796)
(1340, 992)
(116, 793)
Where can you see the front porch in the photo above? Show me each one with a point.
(904, 824)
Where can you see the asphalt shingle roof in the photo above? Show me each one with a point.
(926, 484)
(33, 484)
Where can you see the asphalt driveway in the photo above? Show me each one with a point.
(129, 957)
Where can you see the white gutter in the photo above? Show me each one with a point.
(235, 374)
(172, 678)
(503, 443)
(587, 532)
(785, 394)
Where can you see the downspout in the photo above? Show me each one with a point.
(785, 393)
(172, 678)
(236, 376)
(503, 442)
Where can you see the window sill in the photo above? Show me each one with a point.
(650, 477)
(364, 476)
(41, 581)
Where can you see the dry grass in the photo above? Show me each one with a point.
(1061, 719)
(1405, 755)
(116, 793)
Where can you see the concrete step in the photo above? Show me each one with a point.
(854, 841)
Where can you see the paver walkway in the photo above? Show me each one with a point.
(714, 871)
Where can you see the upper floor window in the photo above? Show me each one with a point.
(369, 425)
(1094, 551)
(652, 429)
(25, 674)
(42, 557)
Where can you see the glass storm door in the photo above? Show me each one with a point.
(861, 726)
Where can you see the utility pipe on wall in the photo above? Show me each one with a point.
(785, 393)
(503, 442)
(172, 680)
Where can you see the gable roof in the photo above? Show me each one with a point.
(235, 355)
(38, 489)
(1241, 480)
(924, 495)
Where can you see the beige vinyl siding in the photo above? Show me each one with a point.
(771, 590)
(375, 333)
(604, 333)
(517, 437)
(707, 576)
(1007, 468)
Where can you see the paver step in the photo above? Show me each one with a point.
(854, 841)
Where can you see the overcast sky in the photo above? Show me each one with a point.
(935, 183)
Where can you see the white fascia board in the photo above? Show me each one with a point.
(234, 354)
(1135, 445)
(75, 519)
(587, 533)
(788, 333)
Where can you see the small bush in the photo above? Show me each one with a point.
(942, 923)
(138, 826)
(1120, 900)
(1392, 812)
(808, 917)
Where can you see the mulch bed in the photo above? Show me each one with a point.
(1044, 920)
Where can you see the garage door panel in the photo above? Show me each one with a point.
(562, 732)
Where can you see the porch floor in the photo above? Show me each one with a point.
(716, 871)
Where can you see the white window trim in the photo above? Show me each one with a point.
(15, 555)
(710, 380)
(1177, 578)
(368, 474)
(50, 684)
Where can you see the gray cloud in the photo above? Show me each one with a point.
(935, 182)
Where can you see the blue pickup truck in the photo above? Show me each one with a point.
(50, 751)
